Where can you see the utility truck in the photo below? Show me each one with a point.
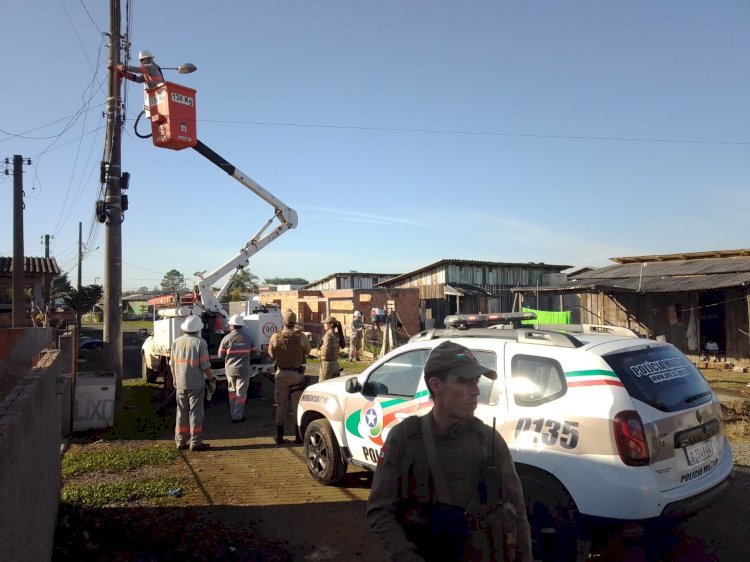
(262, 321)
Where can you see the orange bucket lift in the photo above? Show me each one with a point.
(172, 110)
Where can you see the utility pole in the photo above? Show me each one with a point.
(113, 205)
(19, 260)
(79, 300)
(47, 285)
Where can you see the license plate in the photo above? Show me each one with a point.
(699, 453)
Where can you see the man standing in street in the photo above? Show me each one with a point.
(289, 349)
(355, 337)
(191, 369)
(330, 348)
(237, 347)
(446, 488)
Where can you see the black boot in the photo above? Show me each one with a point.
(279, 435)
(297, 436)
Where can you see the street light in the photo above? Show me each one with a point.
(185, 68)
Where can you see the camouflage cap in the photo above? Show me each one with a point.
(329, 320)
(290, 317)
(451, 357)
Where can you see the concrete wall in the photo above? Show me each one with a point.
(18, 349)
(30, 463)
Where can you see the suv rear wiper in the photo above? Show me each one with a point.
(695, 397)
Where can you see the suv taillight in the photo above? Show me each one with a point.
(631, 439)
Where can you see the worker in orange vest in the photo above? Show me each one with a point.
(149, 73)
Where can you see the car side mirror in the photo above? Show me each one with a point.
(353, 386)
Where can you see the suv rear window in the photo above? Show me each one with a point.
(662, 377)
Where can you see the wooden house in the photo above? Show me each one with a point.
(452, 286)
(686, 299)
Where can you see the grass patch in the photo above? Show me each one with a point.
(115, 459)
(736, 414)
(137, 419)
(98, 494)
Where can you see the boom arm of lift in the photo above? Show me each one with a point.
(287, 220)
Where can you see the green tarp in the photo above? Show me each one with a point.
(547, 317)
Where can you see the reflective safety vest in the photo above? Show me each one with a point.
(152, 76)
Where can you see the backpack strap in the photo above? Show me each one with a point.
(441, 484)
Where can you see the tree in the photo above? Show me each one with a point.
(85, 301)
(173, 282)
(60, 287)
(242, 282)
(286, 281)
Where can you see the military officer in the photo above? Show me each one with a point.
(330, 348)
(289, 349)
(446, 488)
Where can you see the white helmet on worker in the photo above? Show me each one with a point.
(357, 313)
(192, 323)
(236, 320)
(145, 55)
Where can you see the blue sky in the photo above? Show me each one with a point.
(402, 132)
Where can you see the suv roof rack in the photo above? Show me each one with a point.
(521, 335)
(592, 329)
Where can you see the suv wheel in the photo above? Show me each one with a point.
(148, 375)
(556, 531)
(324, 460)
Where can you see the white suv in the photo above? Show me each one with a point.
(603, 426)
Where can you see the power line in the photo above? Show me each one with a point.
(479, 133)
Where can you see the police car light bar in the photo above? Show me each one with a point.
(466, 321)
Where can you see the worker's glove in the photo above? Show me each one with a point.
(210, 388)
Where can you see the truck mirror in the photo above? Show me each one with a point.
(352, 386)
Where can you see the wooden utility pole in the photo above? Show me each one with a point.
(19, 260)
(113, 205)
(79, 300)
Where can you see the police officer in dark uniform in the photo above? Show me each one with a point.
(289, 349)
(446, 488)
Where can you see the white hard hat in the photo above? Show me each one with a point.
(357, 313)
(145, 55)
(192, 324)
(236, 320)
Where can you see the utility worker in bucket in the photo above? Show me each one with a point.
(149, 73)
(289, 349)
(237, 347)
(191, 369)
(445, 488)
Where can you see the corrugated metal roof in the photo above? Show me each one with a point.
(32, 266)
(437, 264)
(708, 266)
(659, 277)
(684, 256)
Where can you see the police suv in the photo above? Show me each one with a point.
(604, 426)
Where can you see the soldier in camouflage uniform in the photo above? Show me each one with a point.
(289, 349)
(330, 348)
(446, 488)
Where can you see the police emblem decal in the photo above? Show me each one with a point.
(372, 417)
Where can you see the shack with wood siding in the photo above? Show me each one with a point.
(452, 286)
(687, 299)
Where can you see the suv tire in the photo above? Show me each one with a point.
(324, 460)
(556, 529)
